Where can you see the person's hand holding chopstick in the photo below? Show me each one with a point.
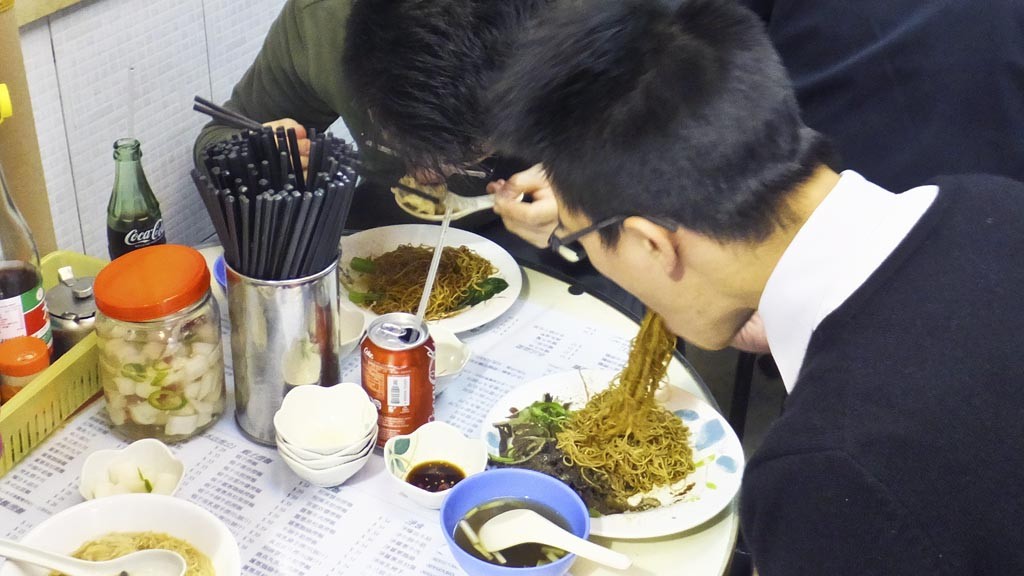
(532, 220)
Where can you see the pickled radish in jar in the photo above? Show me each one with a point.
(161, 359)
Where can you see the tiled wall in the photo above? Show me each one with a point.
(105, 69)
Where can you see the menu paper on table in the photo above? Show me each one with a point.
(285, 526)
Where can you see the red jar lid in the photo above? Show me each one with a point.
(23, 356)
(152, 282)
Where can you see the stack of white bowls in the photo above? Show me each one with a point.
(326, 434)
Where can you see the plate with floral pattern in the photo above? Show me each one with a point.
(718, 454)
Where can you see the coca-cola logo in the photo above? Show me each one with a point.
(136, 238)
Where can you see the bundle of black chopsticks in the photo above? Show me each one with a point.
(273, 221)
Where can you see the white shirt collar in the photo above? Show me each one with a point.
(844, 241)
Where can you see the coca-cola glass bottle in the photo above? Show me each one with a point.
(133, 214)
(22, 307)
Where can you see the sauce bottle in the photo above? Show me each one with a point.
(22, 304)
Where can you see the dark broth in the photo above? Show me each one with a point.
(520, 556)
(434, 476)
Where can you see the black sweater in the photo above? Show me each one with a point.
(908, 89)
(901, 448)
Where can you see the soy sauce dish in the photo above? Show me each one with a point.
(428, 463)
(483, 496)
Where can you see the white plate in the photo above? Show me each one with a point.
(717, 451)
(376, 241)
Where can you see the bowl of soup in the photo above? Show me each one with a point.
(110, 527)
(482, 496)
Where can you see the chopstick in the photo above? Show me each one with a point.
(434, 262)
(224, 115)
(225, 119)
(418, 192)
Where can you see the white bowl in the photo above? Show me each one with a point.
(434, 441)
(332, 476)
(302, 454)
(351, 327)
(325, 462)
(451, 356)
(68, 529)
(120, 471)
(325, 420)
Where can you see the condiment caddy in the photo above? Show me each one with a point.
(53, 396)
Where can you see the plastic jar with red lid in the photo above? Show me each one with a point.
(22, 358)
(161, 361)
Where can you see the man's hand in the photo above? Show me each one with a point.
(532, 221)
(751, 337)
(300, 134)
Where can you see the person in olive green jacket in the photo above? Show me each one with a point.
(419, 69)
(297, 78)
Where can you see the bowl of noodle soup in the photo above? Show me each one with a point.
(153, 520)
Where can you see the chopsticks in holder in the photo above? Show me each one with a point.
(297, 270)
(305, 202)
(246, 210)
(274, 221)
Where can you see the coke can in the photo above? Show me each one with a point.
(398, 373)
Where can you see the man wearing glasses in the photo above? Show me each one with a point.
(681, 166)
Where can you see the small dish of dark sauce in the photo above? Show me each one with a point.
(434, 475)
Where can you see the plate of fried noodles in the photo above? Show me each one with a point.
(384, 269)
(648, 458)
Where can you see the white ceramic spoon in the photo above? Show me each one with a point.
(520, 526)
(141, 563)
(462, 206)
(451, 354)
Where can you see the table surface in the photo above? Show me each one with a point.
(241, 481)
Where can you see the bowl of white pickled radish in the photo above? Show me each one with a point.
(145, 466)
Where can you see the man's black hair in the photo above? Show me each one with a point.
(639, 107)
(421, 69)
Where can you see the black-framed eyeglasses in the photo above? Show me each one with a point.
(474, 170)
(569, 247)
(477, 169)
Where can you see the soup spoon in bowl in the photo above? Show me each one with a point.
(520, 526)
(141, 563)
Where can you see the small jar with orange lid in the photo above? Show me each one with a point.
(22, 358)
(161, 362)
